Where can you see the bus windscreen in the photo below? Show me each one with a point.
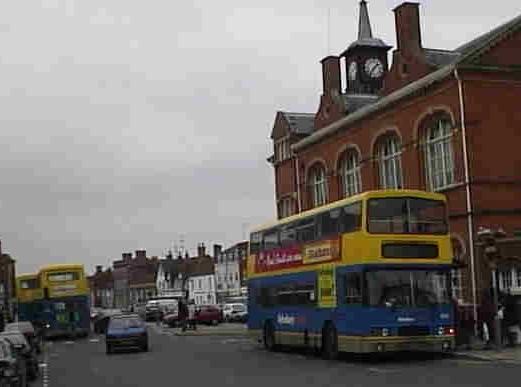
(406, 215)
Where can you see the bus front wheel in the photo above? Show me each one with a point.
(329, 342)
(269, 337)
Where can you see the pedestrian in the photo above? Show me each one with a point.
(191, 315)
(182, 314)
(2, 320)
(488, 314)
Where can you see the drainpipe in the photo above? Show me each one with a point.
(470, 220)
(299, 204)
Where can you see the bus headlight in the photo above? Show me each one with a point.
(446, 331)
(380, 332)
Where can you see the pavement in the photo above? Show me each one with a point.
(220, 360)
(227, 329)
(506, 355)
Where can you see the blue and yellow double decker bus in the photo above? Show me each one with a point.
(370, 273)
(29, 297)
(65, 305)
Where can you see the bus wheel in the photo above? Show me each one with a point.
(269, 336)
(329, 342)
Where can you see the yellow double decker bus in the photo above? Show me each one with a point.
(65, 304)
(370, 273)
(29, 297)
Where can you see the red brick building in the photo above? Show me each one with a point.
(440, 120)
(129, 282)
(102, 288)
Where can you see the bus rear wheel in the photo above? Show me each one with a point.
(269, 336)
(329, 342)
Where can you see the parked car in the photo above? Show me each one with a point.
(25, 351)
(171, 319)
(12, 366)
(209, 314)
(126, 331)
(27, 329)
(158, 308)
(152, 311)
(239, 313)
(236, 312)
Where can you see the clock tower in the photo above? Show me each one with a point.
(366, 59)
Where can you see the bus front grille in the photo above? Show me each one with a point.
(413, 331)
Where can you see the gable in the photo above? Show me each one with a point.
(507, 52)
(280, 127)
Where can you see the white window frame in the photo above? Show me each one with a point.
(518, 277)
(351, 180)
(285, 208)
(505, 279)
(318, 184)
(439, 155)
(281, 149)
(457, 283)
(389, 160)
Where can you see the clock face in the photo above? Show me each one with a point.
(374, 68)
(352, 71)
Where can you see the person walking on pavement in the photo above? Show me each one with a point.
(488, 314)
(191, 315)
(2, 320)
(183, 314)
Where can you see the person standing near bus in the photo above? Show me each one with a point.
(191, 315)
(182, 314)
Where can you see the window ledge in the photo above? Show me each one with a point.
(449, 187)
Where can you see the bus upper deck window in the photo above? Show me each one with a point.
(351, 218)
(255, 240)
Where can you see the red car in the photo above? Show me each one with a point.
(209, 314)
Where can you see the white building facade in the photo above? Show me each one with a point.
(201, 289)
(229, 266)
(172, 274)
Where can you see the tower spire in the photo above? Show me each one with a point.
(364, 26)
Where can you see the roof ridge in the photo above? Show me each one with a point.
(442, 50)
(297, 113)
(486, 37)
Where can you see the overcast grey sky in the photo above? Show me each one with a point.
(125, 123)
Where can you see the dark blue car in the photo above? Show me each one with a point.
(126, 331)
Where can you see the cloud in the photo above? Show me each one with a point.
(127, 124)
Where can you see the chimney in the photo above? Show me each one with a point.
(408, 34)
(141, 254)
(331, 81)
(127, 257)
(201, 250)
(169, 255)
(99, 269)
(217, 249)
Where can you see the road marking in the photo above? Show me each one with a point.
(235, 341)
(380, 370)
(69, 342)
(94, 341)
(45, 367)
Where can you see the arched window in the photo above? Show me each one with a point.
(438, 154)
(349, 173)
(318, 185)
(286, 207)
(388, 152)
